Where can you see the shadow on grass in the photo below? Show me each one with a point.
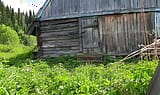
(67, 62)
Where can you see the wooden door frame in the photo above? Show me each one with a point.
(81, 36)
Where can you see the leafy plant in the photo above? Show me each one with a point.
(36, 77)
(8, 36)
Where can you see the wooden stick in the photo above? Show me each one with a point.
(148, 47)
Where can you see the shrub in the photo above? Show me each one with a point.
(8, 36)
(27, 40)
(38, 78)
(5, 48)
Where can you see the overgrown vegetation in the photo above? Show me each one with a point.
(13, 44)
(63, 76)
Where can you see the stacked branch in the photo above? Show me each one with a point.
(151, 49)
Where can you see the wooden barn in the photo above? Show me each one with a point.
(113, 27)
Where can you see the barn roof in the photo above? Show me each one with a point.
(60, 9)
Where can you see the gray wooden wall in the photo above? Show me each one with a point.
(76, 8)
(59, 37)
(121, 34)
(118, 34)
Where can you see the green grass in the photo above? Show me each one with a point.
(20, 75)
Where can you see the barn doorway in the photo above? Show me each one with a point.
(90, 36)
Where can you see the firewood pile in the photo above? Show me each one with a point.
(151, 50)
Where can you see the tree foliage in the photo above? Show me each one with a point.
(17, 20)
(8, 36)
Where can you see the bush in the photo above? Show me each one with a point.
(8, 36)
(38, 78)
(27, 40)
(5, 48)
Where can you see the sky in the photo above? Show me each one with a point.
(25, 5)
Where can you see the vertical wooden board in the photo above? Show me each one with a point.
(129, 33)
(101, 24)
(115, 34)
(135, 28)
(141, 38)
(55, 7)
(112, 34)
(80, 35)
(101, 5)
(145, 3)
(138, 28)
(96, 40)
(92, 7)
(110, 40)
(87, 6)
(158, 3)
(134, 3)
(157, 24)
(126, 33)
(118, 4)
(122, 4)
(151, 25)
(81, 6)
(127, 4)
(100, 33)
(118, 34)
(139, 4)
(105, 5)
(110, 4)
(154, 3)
(107, 29)
(96, 5)
(143, 33)
(134, 45)
(60, 8)
(147, 33)
(123, 34)
(115, 4)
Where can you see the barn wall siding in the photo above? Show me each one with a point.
(117, 34)
(121, 34)
(74, 8)
(157, 24)
(59, 37)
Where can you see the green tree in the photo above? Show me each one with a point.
(30, 17)
(18, 16)
(13, 19)
(8, 36)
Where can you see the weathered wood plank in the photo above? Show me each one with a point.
(76, 8)
(125, 32)
(59, 30)
(59, 37)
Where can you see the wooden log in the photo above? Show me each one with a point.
(55, 22)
